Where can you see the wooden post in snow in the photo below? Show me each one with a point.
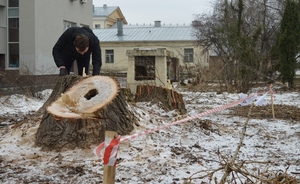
(272, 102)
(109, 172)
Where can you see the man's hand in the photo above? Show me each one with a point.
(63, 72)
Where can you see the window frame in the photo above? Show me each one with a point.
(109, 56)
(97, 26)
(144, 68)
(188, 55)
(13, 40)
(68, 24)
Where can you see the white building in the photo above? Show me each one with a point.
(30, 28)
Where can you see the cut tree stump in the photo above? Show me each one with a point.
(80, 110)
(169, 98)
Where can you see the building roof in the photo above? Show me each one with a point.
(138, 34)
(104, 11)
(112, 13)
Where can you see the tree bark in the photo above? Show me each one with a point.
(59, 130)
(169, 98)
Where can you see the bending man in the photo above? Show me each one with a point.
(77, 43)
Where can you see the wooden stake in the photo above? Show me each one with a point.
(109, 171)
(273, 112)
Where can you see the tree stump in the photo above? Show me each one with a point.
(169, 98)
(80, 110)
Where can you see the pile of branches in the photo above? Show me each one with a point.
(237, 172)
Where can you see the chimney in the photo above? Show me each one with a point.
(120, 27)
(105, 6)
(157, 23)
(196, 23)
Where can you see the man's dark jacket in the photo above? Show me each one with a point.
(64, 48)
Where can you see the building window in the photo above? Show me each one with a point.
(2, 61)
(68, 24)
(13, 55)
(13, 3)
(97, 26)
(189, 55)
(13, 33)
(144, 67)
(109, 56)
(13, 12)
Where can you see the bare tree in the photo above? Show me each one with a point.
(242, 34)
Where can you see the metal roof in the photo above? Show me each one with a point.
(103, 11)
(138, 34)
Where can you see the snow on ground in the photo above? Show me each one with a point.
(190, 149)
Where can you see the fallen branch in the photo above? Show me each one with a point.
(228, 167)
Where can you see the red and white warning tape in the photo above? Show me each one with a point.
(111, 146)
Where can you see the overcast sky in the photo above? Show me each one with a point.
(167, 11)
